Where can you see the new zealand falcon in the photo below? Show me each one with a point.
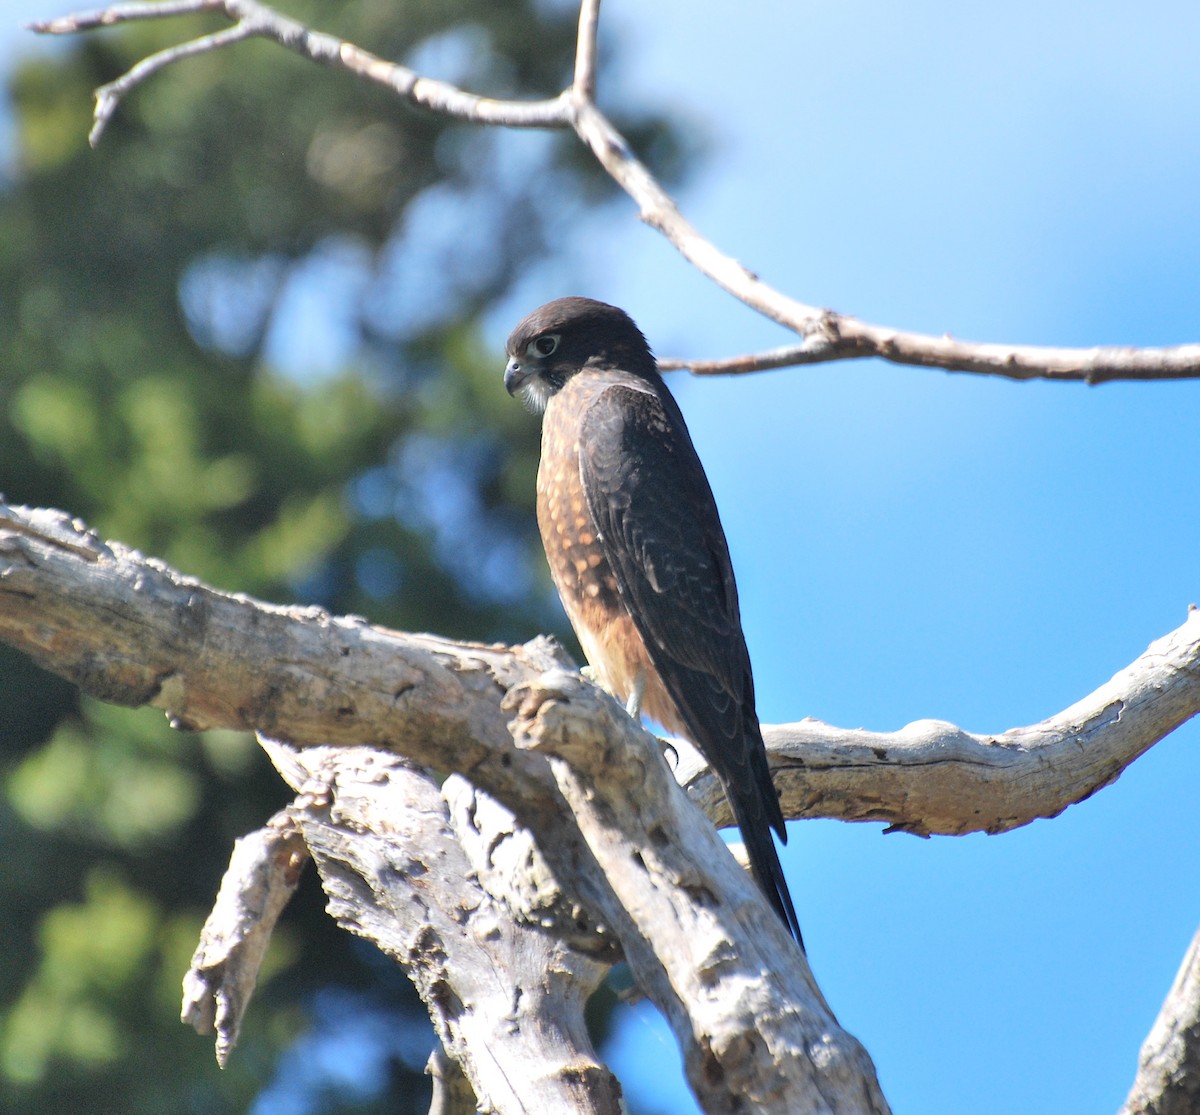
(638, 555)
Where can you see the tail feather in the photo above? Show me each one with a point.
(765, 865)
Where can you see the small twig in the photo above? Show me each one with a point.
(252, 19)
(109, 96)
(786, 356)
(855, 340)
(449, 100)
(831, 336)
(586, 48)
(120, 13)
(826, 335)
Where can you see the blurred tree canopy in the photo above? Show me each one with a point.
(244, 336)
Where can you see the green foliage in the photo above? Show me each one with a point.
(90, 951)
(163, 299)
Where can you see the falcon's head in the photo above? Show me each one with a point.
(567, 336)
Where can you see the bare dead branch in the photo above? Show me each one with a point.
(737, 992)
(143, 615)
(108, 97)
(506, 999)
(931, 777)
(510, 866)
(1168, 1077)
(584, 84)
(121, 13)
(263, 873)
(452, 1091)
(213, 659)
(845, 339)
(130, 630)
(826, 335)
(254, 20)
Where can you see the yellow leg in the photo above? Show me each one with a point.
(634, 705)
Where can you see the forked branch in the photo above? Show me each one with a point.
(825, 334)
(696, 932)
(129, 629)
(133, 631)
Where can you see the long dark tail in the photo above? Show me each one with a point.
(764, 859)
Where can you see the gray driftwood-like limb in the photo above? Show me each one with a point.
(143, 634)
(931, 777)
(263, 873)
(507, 1000)
(452, 1091)
(254, 20)
(509, 865)
(756, 1032)
(826, 335)
(130, 630)
(1168, 1076)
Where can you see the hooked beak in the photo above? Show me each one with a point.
(515, 376)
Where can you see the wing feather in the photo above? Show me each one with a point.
(662, 536)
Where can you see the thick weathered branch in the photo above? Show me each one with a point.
(826, 335)
(507, 999)
(130, 630)
(149, 636)
(1168, 1077)
(452, 1091)
(508, 864)
(737, 992)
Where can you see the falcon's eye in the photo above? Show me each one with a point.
(544, 345)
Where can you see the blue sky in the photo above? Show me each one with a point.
(912, 544)
(915, 544)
